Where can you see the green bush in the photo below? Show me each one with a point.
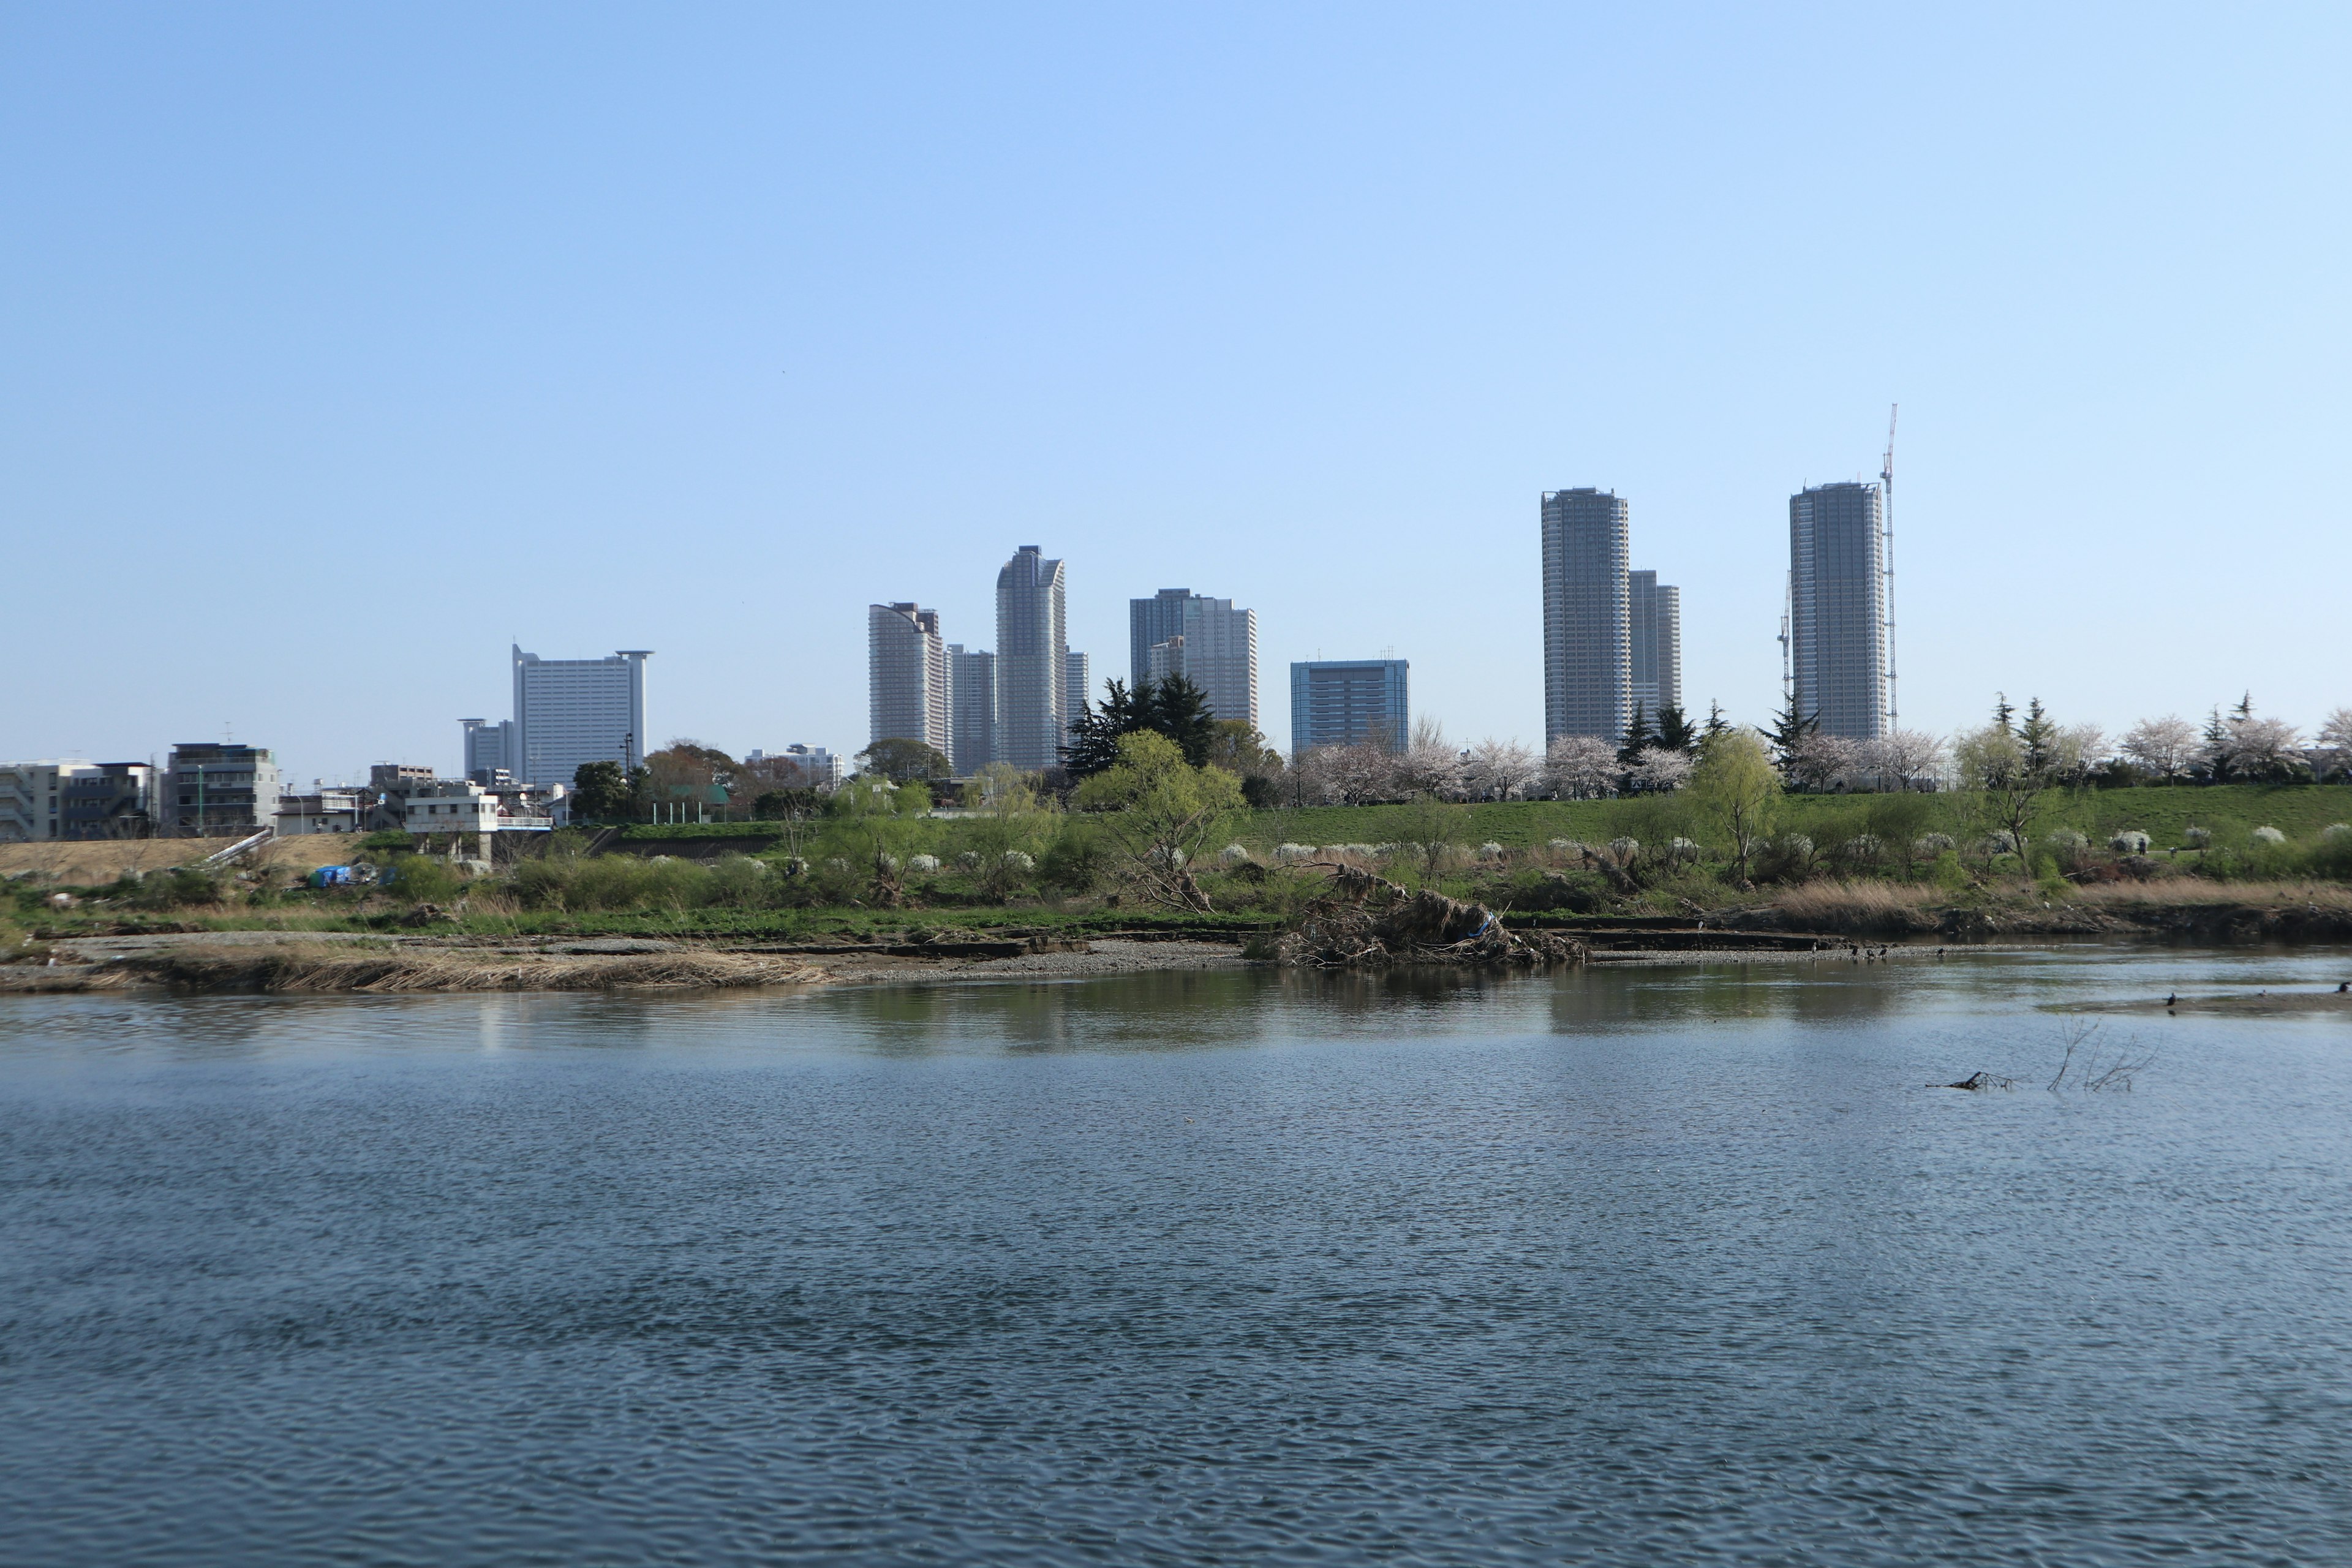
(1076, 862)
(417, 877)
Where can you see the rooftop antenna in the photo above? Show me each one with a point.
(1886, 548)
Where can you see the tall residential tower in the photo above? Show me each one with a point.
(906, 675)
(1656, 612)
(1033, 703)
(1837, 609)
(1205, 640)
(1588, 615)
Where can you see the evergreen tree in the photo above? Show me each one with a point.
(1637, 737)
(1716, 724)
(2245, 709)
(1790, 732)
(2039, 736)
(1094, 736)
(1174, 708)
(2216, 749)
(2003, 715)
(1674, 731)
(1180, 711)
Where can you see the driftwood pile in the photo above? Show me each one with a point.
(1369, 923)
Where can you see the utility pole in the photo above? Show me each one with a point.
(1886, 547)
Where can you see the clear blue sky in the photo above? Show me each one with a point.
(340, 345)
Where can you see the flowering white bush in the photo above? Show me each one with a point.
(1928, 846)
(2197, 837)
(2130, 841)
(836, 863)
(922, 863)
(1682, 849)
(1018, 860)
(1863, 846)
(1793, 844)
(1292, 853)
(1490, 851)
(1624, 848)
(2267, 835)
(2066, 841)
(2336, 830)
(2002, 842)
(1232, 855)
(968, 861)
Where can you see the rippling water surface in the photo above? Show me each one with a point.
(1669, 1265)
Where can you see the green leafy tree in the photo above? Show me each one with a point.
(873, 822)
(1994, 764)
(1735, 788)
(603, 792)
(1158, 811)
(902, 761)
(1012, 824)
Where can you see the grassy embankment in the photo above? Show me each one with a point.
(752, 896)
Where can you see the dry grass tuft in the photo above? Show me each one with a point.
(1874, 908)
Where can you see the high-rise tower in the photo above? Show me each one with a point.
(1215, 648)
(1837, 609)
(1588, 624)
(570, 711)
(906, 675)
(1654, 610)
(1034, 705)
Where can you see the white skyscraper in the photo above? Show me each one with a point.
(570, 711)
(1034, 705)
(907, 676)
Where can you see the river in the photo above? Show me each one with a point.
(1679, 1264)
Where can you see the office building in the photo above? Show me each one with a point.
(216, 790)
(906, 675)
(1033, 703)
(972, 709)
(569, 712)
(1655, 611)
(1347, 701)
(1588, 624)
(1837, 609)
(488, 748)
(1215, 648)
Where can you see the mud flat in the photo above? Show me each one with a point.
(314, 963)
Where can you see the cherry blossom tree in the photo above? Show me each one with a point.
(2335, 743)
(1499, 770)
(2165, 747)
(1579, 767)
(1659, 772)
(1901, 758)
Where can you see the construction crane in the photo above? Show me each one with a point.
(1886, 552)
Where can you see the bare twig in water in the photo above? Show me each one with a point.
(2098, 1075)
(1980, 1081)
